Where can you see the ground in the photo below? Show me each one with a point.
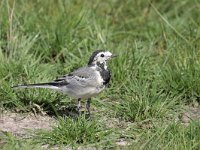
(19, 124)
(23, 125)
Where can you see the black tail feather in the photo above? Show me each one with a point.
(56, 84)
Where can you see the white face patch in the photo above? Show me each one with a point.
(102, 57)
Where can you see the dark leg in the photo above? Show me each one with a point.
(79, 105)
(88, 105)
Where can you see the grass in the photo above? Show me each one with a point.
(154, 77)
(72, 132)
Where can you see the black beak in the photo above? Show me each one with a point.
(114, 55)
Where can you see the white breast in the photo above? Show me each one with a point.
(98, 77)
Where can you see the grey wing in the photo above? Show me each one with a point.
(84, 77)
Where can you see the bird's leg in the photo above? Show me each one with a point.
(88, 105)
(79, 105)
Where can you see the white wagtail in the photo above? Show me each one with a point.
(84, 82)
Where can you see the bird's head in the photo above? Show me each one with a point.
(100, 57)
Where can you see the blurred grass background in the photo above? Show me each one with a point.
(155, 76)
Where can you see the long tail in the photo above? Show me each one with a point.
(51, 85)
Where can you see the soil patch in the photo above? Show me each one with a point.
(18, 124)
(190, 114)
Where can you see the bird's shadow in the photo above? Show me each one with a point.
(55, 109)
(69, 112)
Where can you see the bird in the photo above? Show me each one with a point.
(83, 83)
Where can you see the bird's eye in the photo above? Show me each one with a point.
(102, 55)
